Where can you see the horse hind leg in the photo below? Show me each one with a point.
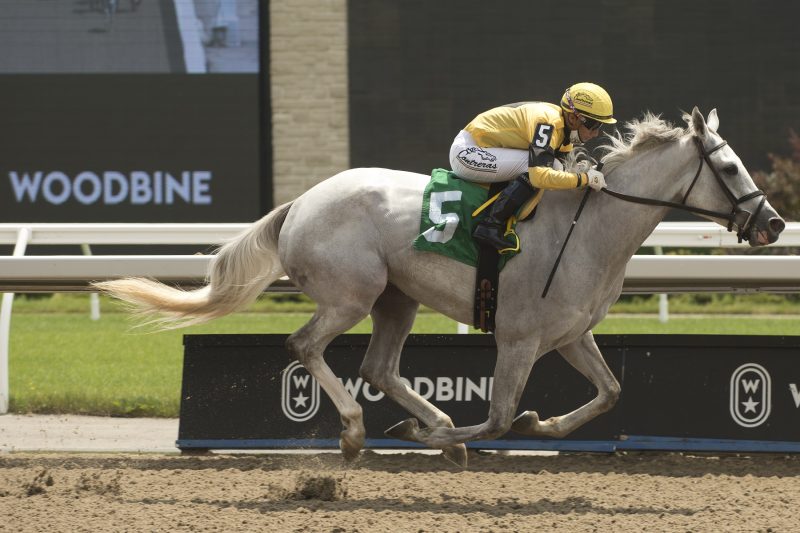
(585, 356)
(392, 318)
(308, 344)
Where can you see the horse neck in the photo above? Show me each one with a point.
(621, 227)
(663, 172)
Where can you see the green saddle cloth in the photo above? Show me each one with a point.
(446, 221)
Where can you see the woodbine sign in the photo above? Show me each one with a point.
(112, 187)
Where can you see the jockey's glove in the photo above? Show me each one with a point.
(596, 179)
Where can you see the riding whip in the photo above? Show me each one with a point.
(569, 234)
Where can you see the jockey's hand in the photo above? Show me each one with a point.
(596, 179)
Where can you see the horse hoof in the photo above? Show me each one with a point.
(527, 423)
(405, 430)
(349, 454)
(456, 454)
(350, 446)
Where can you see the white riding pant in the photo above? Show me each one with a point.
(485, 165)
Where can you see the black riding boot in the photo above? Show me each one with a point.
(489, 231)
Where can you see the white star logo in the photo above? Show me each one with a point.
(750, 405)
(300, 400)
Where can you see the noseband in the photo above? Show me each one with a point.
(731, 217)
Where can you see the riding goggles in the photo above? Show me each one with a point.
(590, 123)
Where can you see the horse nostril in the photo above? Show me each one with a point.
(776, 225)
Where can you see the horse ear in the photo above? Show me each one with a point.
(698, 123)
(713, 120)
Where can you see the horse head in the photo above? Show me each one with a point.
(723, 186)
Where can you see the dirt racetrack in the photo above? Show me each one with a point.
(411, 492)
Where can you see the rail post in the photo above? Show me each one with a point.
(23, 236)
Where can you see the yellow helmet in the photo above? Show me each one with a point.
(589, 100)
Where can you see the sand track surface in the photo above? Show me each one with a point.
(408, 492)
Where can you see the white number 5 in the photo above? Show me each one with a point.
(542, 136)
(436, 216)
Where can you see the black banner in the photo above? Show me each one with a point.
(130, 148)
(712, 387)
(679, 392)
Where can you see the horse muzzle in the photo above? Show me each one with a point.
(765, 229)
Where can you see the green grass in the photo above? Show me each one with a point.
(751, 304)
(700, 325)
(704, 303)
(63, 362)
(67, 363)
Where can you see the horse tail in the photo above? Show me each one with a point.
(243, 268)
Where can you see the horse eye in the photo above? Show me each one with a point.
(731, 170)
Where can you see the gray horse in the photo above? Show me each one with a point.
(346, 243)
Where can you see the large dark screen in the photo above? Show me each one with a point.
(421, 70)
(129, 111)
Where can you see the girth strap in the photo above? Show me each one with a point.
(487, 278)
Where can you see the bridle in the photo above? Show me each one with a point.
(731, 217)
(743, 232)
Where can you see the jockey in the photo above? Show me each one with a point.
(523, 143)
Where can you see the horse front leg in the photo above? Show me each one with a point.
(585, 356)
(514, 363)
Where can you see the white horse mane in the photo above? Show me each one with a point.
(641, 135)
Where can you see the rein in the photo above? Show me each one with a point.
(704, 158)
(735, 202)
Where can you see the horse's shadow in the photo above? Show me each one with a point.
(498, 507)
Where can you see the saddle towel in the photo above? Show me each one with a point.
(447, 222)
